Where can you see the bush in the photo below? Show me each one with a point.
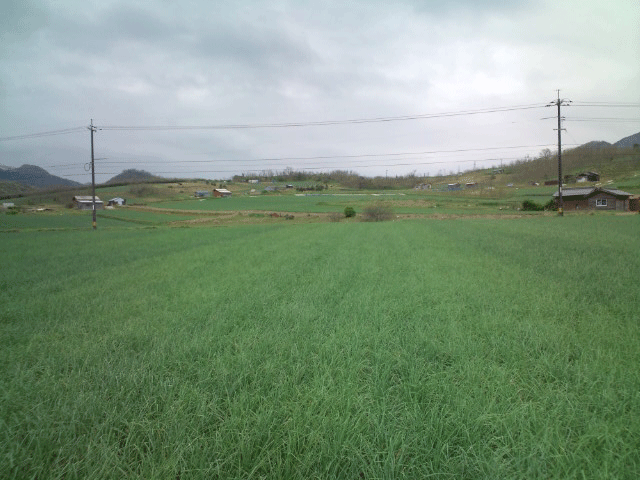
(378, 213)
(349, 212)
(335, 216)
(529, 206)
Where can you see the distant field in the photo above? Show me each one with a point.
(470, 348)
(141, 217)
(62, 219)
(403, 202)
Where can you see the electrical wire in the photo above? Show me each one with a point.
(325, 167)
(606, 104)
(324, 122)
(323, 157)
(602, 119)
(43, 134)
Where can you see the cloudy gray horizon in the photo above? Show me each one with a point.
(206, 64)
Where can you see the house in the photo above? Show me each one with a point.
(471, 185)
(221, 192)
(587, 177)
(594, 198)
(202, 194)
(453, 186)
(116, 201)
(85, 202)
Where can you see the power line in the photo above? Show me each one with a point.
(606, 104)
(323, 122)
(603, 119)
(44, 134)
(364, 165)
(320, 157)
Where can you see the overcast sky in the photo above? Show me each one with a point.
(214, 63)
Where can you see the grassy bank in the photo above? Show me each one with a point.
(455, 349)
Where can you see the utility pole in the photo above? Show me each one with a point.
(93, 176)
(559, 102)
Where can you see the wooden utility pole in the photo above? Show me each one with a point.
(559, 102)
(93, 176)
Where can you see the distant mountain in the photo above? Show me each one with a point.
(34, 176)
(628, 142)
(134, 176)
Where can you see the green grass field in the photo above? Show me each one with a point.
(469, 348)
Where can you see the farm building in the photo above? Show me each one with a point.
(85, 202)
(591, 198)
(453, 187)
(202, 193)
(221, 192)
(116, 201)
(587, 177)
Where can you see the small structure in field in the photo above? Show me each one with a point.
(85, 202)
(221, 192)
(471, 185)
(8, 205)
(587, 177)
(453, 187)
(423, 186)
(202, 194)
(116, 201)
(595, 198)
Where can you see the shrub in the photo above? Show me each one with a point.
(349, 212)
(377, 213)
(530, 206)
(335, 216)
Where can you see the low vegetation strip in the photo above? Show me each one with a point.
(417, 349)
